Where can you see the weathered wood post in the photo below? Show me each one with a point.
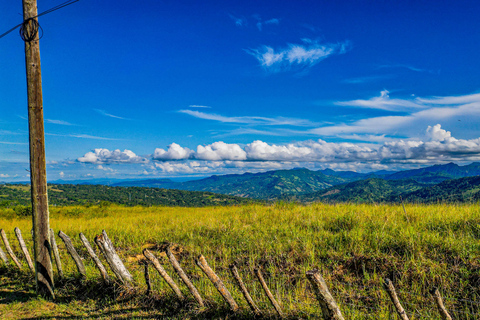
(73, 253)
(184, 277)
(268, 293)
(163, 273)
(217, 282)
(95, 259)
(114, 261)
(147, 278)
(23, 246)
(393, 296)
(38, 171)
(439, 302)
(56, 254)
(330, 309)
(3, 256)
(9, 249)
(244, 290)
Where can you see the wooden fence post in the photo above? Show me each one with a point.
(18, 233)
(114, 261)
(268, 293)
(439, 302)
(73, 253)
(56, 254)
(9, 249)
(393, 296)
(147, 278)
(217, 282)
(3, 256)
(244, 290)
(184, 277)
(163, 273)
(330, 309)
(97, 261)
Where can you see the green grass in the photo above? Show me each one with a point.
(354, 246)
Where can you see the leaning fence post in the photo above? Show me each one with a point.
(217, 282)
(114, 261)
(330, 309)
(184, 277)
(18, 233)
(9, 249)
(439, 302)
(268, 293)
(97, 261)
(147, 278)
(393, 296)
(3, 256)
(73, 253)
(244, 290)
(56, 254)
(163, 273)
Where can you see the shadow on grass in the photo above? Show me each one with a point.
(113, 301)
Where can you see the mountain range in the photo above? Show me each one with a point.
(448, 182)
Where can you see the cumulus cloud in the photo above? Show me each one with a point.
(220, 151)
(4, 175)
(174, 152)
(101, 156)
(437, 145)
(304, 55)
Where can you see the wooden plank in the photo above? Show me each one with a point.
(56, 254)
(330, 309)
(268, 293)
(178, 269)
(388, 285)
(9, 249)
(217, 282)
(73, 253)
(244, 290)
(163, 273)
(98, 263)
(24, 249)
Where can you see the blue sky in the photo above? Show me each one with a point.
(142, 89)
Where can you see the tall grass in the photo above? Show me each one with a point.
(354, 247)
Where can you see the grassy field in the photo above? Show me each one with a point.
(354, 246)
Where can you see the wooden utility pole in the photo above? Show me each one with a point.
(38, 171)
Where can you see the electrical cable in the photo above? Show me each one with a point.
(29, 34)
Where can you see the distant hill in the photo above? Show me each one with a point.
(264, 185)
(437, 173)
(362, 191)
(69, 194)
(455, 190)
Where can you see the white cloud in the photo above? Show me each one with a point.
(437, 145)
(4, 175)
(220, 151)
(383, 102)
(198, 106)
(174, 152)
(304, 55)
(101, 156)
(60, 122)
(105, 113)
(278, 121)
(61, 174)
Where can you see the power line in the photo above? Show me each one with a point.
(25, 22)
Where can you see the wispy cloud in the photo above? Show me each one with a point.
(277, 121)
(81, 136)
(197, 106)
(297, 56)
(367, 79)
(383, 102)
(60, 122)
(105, 113)
(406, 66)
(7, 142)
(239, 21)
(422, 111)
